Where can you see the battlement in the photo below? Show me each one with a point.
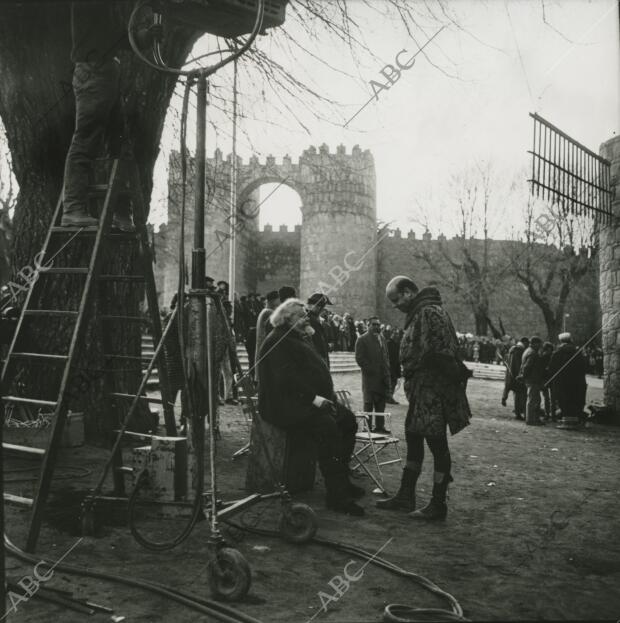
(311, 153)
(282, 229)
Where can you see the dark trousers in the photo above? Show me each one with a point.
(442, 462)
(98, 119)
(334, 437)
(532, 406)
(374, 401)
(520, 396)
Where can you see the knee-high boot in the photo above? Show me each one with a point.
(405, 498)
(436, 509)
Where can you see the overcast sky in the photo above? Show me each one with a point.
(437, 121)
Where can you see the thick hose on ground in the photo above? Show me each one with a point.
(160, 546)
(394, 613)
(219, 612)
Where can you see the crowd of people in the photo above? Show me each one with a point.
(485, 349)
(341, 331)
(548, 382)
(288, 343)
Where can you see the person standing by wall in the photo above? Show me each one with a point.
(512, 382)
(316, 304)
(435, 380)
(545, 355)
(567, 373)
(372, 357)
(533, 374)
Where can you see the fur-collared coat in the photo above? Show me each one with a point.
(435, 378)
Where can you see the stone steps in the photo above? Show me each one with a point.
(341, 363)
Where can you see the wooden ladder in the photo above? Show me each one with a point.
(123, 179)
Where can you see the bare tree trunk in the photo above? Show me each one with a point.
(37, 108)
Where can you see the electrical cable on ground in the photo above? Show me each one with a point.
(218, 611)
(396, 613)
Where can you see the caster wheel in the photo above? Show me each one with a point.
(299, 524)
(87, 523)
(229, 575)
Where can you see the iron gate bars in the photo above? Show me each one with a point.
(568, 173)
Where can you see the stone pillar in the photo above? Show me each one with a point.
(609, 264)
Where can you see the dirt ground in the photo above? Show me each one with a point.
(532, 534)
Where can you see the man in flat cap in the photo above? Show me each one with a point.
(316, 304)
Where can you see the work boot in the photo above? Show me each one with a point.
(405, 498)
(339, 497)
(78, 218)
(436, 509)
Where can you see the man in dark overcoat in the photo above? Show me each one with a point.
(372, 357)
(511, 383)
(316, 304)
(296, 392)
(567, 374)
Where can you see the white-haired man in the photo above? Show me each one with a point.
(296, 392)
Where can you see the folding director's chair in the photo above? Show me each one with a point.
(369, 445)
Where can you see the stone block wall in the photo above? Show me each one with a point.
(277, 259)
(609, 258)
(510, 301)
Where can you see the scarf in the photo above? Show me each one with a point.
(424, 298)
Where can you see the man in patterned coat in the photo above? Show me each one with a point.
(434, 383)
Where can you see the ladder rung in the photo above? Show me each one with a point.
(158, 401)
(92, 230)
(66, 271)
(126, 318)
(127, 357)
(74, 229)
(10, 447)
(50, 312)
(29, 401)
(40, 356)
(121, 278)
(18, 500)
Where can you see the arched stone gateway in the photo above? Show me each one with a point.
(338, 232)
(337, 249)
(610, 281)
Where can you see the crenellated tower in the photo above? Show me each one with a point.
(338, 233)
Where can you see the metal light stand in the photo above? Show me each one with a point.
(228, 571)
